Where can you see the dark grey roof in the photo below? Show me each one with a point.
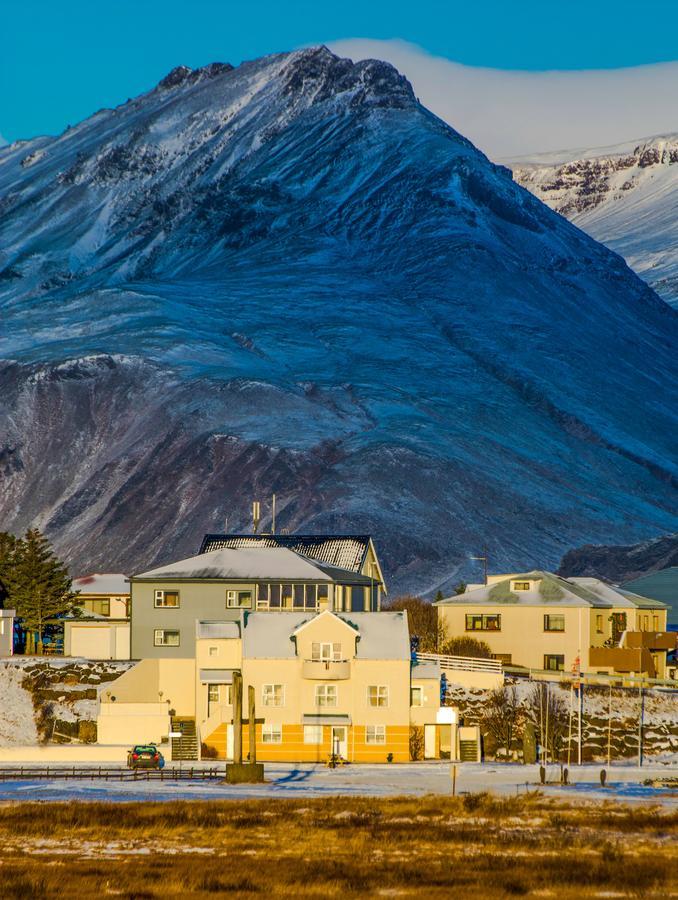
(343, 551)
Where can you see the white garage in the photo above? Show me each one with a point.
(97, 639)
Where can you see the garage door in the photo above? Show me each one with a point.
(91, 642)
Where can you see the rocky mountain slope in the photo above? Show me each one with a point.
(291, 277)
(624, 562)
(624, 196)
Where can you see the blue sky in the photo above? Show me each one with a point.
(61, 61)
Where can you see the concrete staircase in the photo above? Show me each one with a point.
(185, 747)
(469, 744)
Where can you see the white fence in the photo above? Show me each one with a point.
(462, 663)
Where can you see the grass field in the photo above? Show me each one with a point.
(473, 846)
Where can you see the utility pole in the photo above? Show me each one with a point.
(273, 515)
(640, 726)
(581, 714)
(237, 718)
(252, 724)
(609, 728)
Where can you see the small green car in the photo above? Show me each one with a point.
(145, 756)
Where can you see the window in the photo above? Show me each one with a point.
(214, 651)
(164, 638)
(655, 623)
(274, 601)
(313, 734)
(377, 695)
(273, 695)
(262, 596)
(476, 622)
(646, 623)
(213, 693)
(599, 624)
(554, 623)
(323, 595)
(554, 662)
(325, 652)
(271, 734)
(287, 594)
(504, 658)
(298, 598)
(417, 696)
(325, 695)
(100, 607)
(521, 585)
(239, 599)
(375, 734)
(167, 599)
(312, 596)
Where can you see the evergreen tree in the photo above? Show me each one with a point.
(460, 588)
(8, 545)
(38, 584)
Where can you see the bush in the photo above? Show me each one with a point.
(207, 751)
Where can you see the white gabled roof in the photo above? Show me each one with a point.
(112, 583)
(247, 564)
(381, 635)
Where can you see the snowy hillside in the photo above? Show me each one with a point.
(292, 277)
(625, 196)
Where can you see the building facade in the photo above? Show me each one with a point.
(540, 621)
(220, 584)
(324, 682)
(7, 632)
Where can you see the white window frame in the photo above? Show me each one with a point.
(322, 695)
(159, 599)
(313, 734)
(268, 693)
(327, 651)
(417, 690)
(521, 582)
(271, 734)
(233, 601)
(375, 734)
(159, 637)
(380, 694)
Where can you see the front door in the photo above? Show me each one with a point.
(339, 741)
(429, 741)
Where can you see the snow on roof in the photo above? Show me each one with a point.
(247, 564)
(426, 670)
(617, 596)
(345, 551)
(217, 630)
(546, 589)
(102, 583)
(382, 635)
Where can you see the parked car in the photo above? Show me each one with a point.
(145, 756)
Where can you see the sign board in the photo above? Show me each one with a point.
(175, 734)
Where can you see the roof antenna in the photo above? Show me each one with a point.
(484, 560)
(256, 516)
(273, 516)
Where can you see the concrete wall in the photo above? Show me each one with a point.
(6, 634)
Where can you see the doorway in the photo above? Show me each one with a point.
(340, 741)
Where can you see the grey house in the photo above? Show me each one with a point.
(220, 584)
(7, 632)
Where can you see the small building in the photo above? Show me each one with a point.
(541, 621)
(219, 584)
(101, 630)
(324, 682)
(7, 632)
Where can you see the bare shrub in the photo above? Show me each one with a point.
(416, 742)
(501, 717)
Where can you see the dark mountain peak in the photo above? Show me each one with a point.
(320, 72)
(181, 75)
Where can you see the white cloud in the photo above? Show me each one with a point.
(510, 113)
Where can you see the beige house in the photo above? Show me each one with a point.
(541, 621)
(220, 584)
(324, 682)
(101, 630)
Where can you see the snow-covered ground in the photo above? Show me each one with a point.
(17, 725)
(416, 779)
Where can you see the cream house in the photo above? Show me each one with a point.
(102, 628)
(222, 583)
(542, 621)
(324, 682)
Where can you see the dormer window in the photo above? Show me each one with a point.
(521, 585)
(325, 652)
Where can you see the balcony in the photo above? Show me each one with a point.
(326, 670)
(622, 659)
(650, 640)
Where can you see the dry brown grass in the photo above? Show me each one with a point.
(475, 846)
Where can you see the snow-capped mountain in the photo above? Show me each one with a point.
(292, 277)
(625, 196)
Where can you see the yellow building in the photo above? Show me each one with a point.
(328, 682)
(541, 621)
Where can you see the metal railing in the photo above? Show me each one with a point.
(462, 663)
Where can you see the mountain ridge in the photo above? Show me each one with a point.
(290, 277)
